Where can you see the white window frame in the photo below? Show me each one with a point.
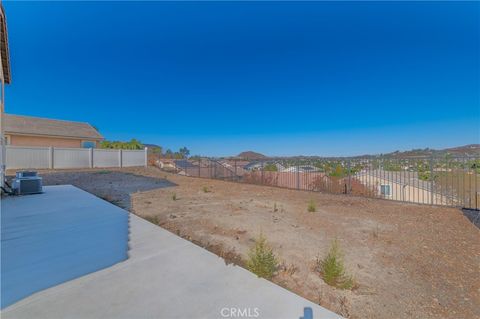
(385, 187)
(89, 141)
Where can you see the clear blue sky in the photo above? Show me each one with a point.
(283, 78)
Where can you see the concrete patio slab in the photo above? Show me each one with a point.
(164, 277)
(50, 238)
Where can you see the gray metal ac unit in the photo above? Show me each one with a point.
(24, 174)
(27, 183)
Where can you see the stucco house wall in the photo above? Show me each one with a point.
(26, 140)
(404, 192)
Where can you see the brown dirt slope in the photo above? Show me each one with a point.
(409, 261)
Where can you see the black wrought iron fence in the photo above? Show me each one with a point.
(445, 181)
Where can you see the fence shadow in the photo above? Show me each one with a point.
(113, 186)
(473, 215)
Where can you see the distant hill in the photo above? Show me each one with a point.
(251, 155)
(471, 149)
(466, 149)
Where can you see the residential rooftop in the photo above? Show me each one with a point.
(29, 125)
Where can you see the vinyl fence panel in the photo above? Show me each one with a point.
(133, 158)
(21, 157)
(25, 157)
(71, 158)
(106, 158)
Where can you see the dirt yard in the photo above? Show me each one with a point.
(408, 261)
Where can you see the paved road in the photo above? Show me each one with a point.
(164, 277)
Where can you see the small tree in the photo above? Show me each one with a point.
(134, 144)
(184, 152)
(157, 150)
(261, 259)
(332, 268)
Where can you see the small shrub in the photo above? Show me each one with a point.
(275, 209)
(261, 259)
(174, 196)
(332, 268)
(205, 189)
(312, 207)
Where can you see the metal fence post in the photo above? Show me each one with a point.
(262, 172)
(298, 176)
(199, 166)
(349, 167)
(235, 161)
(431, 180)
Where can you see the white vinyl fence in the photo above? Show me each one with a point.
(30, 157)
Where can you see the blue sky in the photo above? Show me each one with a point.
(311, 78)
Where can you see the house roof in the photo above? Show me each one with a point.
(29, 125)
(184, 164)
(4, 46)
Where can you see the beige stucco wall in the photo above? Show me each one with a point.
(23, 140)
(404, 192)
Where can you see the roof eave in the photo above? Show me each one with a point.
(99, 138)
(4, 47)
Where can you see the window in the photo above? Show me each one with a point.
(88, 144)
(385, 190)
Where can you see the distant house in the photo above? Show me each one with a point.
(404, 186)
(183, 164)
(300, 169)
(259, 165)
(35, 131)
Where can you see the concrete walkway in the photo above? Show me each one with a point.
(164, 277)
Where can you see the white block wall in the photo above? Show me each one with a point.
(71, 158)
(106, 158)
(20, 157)
(24, 157)
(133, 158)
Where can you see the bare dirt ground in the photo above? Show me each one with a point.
(408, 261)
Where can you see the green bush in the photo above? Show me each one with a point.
(332, 268)
(261, 259)
(312, 207)
(174, 196)
(205, 189)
